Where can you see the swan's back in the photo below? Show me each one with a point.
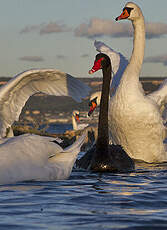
(33, 157)
(24, 156)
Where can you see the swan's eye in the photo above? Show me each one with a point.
(128, 9)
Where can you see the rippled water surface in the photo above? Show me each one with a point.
(87, 200)
(136, 200)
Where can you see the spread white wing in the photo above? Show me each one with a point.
(160, 97)
(16, 92)
(118, 63)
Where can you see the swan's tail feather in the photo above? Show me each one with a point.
(70, 152)
(66, 158)
(77, 144)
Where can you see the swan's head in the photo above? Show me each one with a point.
(131, 11)
(101, 61)
(94, 100)
(75, 114)
(96, 96)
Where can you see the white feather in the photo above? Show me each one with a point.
(119, 63)
(17, 91)
(33, 157)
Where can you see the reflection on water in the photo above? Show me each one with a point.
(133, 201)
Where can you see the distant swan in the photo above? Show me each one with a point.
(135, 120)
(75, 120)
(15, 93)
(33, 157)
(102, 156)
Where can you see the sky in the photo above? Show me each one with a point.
(61, 33)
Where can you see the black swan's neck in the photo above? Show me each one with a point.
(103, 138)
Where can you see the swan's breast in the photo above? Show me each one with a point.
(136, 125)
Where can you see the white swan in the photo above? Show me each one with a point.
(135, 120)
(75, 120)
(119, 63)
(16, 92)
(32, 157)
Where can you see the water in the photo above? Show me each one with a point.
(57, 128)
(88, 201)
(133, 201)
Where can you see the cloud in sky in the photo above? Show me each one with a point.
(84, 55)
(28, 29)
(52, 27)
(32, 58)
(98, 27)
(157, 59)
(59, 56)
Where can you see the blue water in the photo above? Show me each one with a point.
(88, 200)
(57, 128)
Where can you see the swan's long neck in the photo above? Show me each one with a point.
(133, 69)
(74, 123)
(103, 139)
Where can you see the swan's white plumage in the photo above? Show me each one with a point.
(33, 157)
(16, 92)
(119, 63)
(135, 119)
(160, 97)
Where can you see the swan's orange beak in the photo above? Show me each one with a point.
(77, 117)
(92, 105)
(96, 66)
(125, 14)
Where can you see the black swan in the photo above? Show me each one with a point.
(103, 157)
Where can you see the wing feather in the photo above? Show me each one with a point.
(17, 91)
(118, 62)
(160, 97)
